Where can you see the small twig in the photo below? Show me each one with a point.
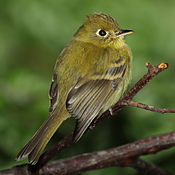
(152, 72)
(149, 108)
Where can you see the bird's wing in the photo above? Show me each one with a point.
(53, 93)
(88, 97)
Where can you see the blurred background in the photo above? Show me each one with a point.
(33, 33)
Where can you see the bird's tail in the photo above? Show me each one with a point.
(35, 146)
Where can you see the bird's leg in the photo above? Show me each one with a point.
(111, 112)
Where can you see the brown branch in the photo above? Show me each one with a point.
(120, 156)
(125, 155)
(149, 108)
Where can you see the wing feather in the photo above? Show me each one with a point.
(87, 108)
(89, 96)
(53, 93)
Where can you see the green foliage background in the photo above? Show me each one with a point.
(33, 33)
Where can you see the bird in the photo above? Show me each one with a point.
(90, 76)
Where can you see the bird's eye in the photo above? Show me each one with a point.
(101, 32)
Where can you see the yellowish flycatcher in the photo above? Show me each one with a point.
(90, 76)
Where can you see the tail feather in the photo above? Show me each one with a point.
(35, 146)
(35, 154)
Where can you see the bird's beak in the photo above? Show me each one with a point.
(124, 32)
(121, 33)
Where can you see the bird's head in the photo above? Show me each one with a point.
(101, 30)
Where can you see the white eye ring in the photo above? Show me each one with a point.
(101, 32)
